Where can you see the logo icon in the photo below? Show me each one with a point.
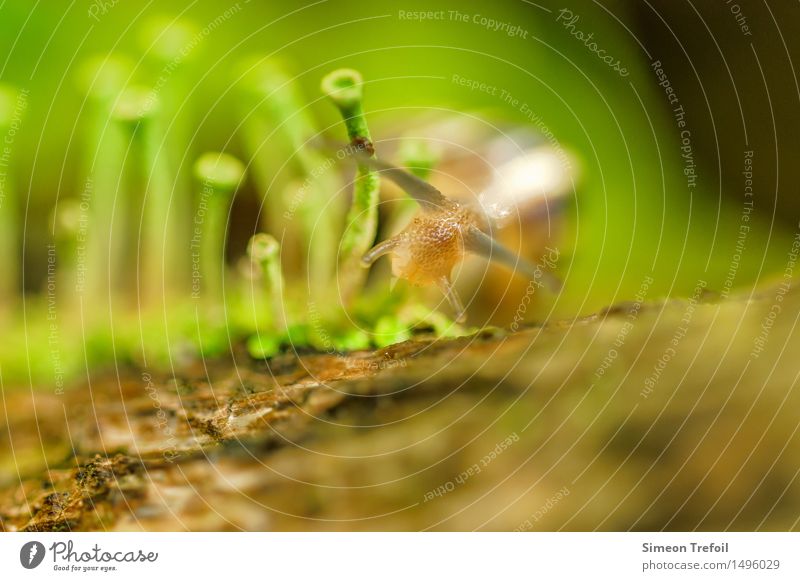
(31, 554)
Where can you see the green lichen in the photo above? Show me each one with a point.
(344, 87)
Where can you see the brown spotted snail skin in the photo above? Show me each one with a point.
(438, 238)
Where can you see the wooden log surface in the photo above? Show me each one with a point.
(677, 414)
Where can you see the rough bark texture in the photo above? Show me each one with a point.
(678, 415)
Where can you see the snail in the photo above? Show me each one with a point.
(439, 237)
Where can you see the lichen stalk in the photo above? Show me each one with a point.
(344, 87)
(279, 115)
(147, 198)
(166, 43)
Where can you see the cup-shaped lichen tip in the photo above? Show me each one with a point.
(343, 87)
(220, 171)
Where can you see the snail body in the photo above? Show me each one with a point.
(438, 238)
